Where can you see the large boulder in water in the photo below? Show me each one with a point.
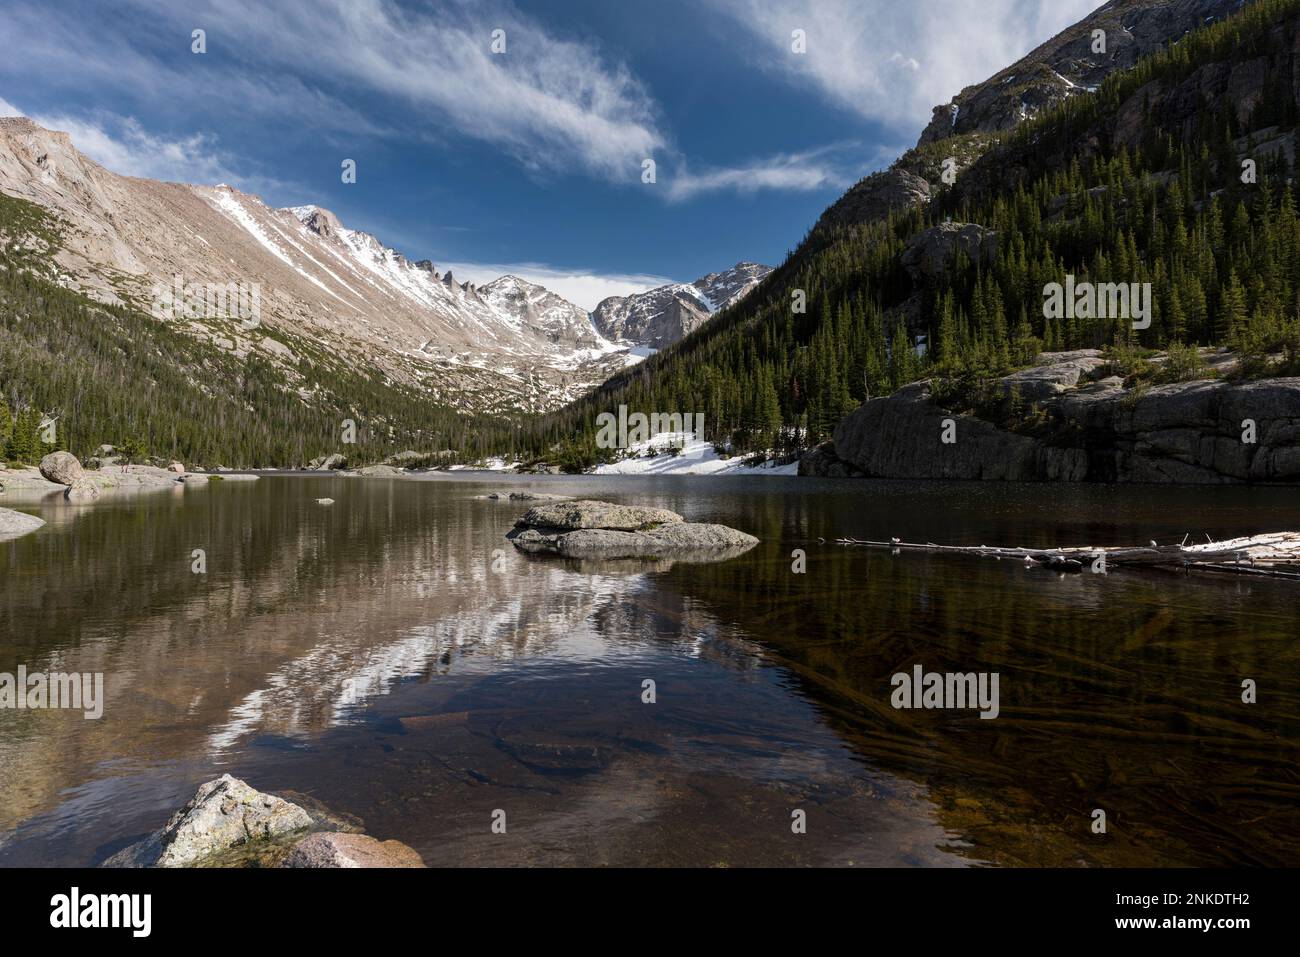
(604, 530)
(225, 813)
(81, 490)
(590, 514)
(61, 467)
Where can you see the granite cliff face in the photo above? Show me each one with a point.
(1090, 427)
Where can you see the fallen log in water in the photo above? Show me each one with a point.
(1275, 553)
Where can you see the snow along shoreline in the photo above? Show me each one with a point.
(696, 457)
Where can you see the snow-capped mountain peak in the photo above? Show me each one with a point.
(491, 346)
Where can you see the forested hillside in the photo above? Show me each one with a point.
(1144, 181)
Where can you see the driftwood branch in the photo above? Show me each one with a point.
(1275, 553)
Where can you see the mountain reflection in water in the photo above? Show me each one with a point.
(394, 658)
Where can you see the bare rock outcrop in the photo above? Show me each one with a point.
(875, 197)
(931, 252)
(1070, 64)
(1092, 428)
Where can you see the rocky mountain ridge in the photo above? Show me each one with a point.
(661, 316)
(1065, 66)
(506, 345)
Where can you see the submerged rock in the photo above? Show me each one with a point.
(334, 849)
(225, 813)
(61, 467)
(13, 524)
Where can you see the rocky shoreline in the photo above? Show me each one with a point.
(1079, 423)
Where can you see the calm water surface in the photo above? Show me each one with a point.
(394, 658)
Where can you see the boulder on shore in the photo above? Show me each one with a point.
(61, 467)
(328, 463)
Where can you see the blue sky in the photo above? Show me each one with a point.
(527, 161)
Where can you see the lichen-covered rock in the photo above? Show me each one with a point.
(225, 813)
(592, 514)
(61, 467)
(334, 849)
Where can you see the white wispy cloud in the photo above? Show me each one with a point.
(893, 62)
(833, 166)
(582, 287)
(551, 102)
